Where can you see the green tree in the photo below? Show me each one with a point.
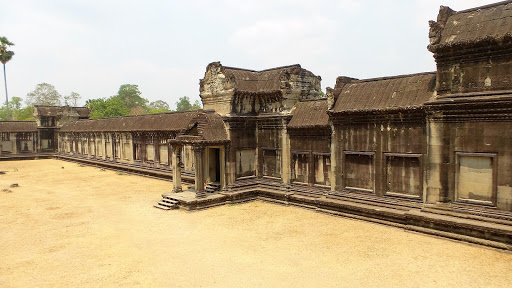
(5, 56)
(130, 95)
(16, 103)
(44, 94)
(116, 107)
(72, 99)
(128, 102)
(197, 105)
(110, 107)
(3, 112)
(26, 113)
(15, 111)
(159, 106)
(96, 108)
(183, 104)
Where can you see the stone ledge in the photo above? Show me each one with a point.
(454, 225)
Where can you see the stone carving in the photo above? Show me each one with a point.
(436, 27)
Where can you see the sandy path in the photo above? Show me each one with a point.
(82, 227)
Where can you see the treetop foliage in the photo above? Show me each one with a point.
(129, 94)
(5, 55)
(44, 94)
(128, 101)
(72, 99)
(183, 104)
(16, 112)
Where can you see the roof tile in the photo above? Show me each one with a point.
(399, 92)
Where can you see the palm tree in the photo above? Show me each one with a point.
(5, 56)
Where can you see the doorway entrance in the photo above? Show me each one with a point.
(214, 164)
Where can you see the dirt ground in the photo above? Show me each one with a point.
(83, 227)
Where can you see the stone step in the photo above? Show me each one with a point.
(307, 191)
(170, 201)
(167, 204)
(212, 187)
(159, 206)
(162, 203)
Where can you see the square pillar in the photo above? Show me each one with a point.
(176, 168)
(199, 176)
(336, 158)
(285, 156)
(438, 166)
(222, 160)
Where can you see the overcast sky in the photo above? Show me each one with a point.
(92, 47)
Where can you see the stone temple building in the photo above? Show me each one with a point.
(40, 136)
(427, 150)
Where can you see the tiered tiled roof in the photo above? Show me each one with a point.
(210, 126)
(388, 93)
(176, 121)
(491, 22)
(310, 114)
(18, 126)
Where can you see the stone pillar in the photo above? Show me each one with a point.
(336, 160)
(285, 155)
(103, 146)
(176, 168)
(438, 157)
(199, 176)
(13, 145)
(230, 165)
(222, 160)
(258, 171)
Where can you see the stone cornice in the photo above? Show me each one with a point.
(471, 107)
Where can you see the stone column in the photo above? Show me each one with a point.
(13, 145)
(176, 168)
(199, 176)
(438, 157)
(230, 165)
(285, 155)
(337, 158)
(258, 171)
(222, 160)
(103, 146)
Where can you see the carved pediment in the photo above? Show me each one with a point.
(215, 80)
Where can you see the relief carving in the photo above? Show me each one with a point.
(215, 81)
(437, 26)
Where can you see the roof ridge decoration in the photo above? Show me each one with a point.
(392, 77)
(264, 70)
(268, 80)
(436, 27)
(485, 6)
(313, 100)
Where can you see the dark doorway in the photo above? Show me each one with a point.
(47, 139)
(214, 163)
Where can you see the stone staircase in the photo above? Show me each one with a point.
(212, 187)
(314, 192)
(167, 203)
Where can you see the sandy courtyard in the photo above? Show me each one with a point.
(83, 227)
